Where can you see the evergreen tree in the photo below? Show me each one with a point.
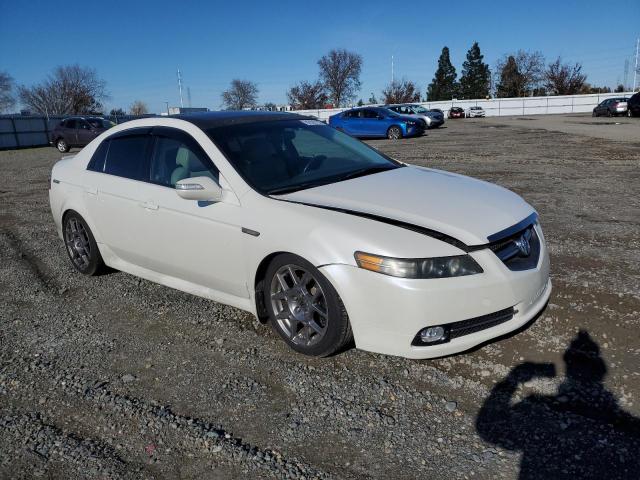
(474, 82)
(511, 79)
(444, 85)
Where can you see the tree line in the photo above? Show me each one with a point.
(73, 89)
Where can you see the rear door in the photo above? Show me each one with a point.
(115, 192)
(351, 123)
(70, 131)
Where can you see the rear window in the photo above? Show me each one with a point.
(126, 157)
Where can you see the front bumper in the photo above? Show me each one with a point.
(387, 312)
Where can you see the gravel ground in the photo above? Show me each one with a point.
(116, 377)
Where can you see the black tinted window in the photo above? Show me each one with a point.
(70, 123)
(126, 157)
(97, 160)
(177, 157)
(369, 114)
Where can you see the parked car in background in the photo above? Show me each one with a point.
(456, 112)
(370, 122)
(474, 112)
(633, 105)
(77, 132)
(432, 119)
(611, 107)
(307, 228)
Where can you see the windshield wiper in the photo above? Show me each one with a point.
(366, 171)
(292, 188)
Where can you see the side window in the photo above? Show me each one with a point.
(70, 123)
(369, 114)
(83, 124)
(126, 156)
(96, 163)
(178, 157)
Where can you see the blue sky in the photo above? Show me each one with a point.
(136, 46)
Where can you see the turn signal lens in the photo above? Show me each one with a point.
(439, 267)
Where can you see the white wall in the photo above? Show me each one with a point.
(509, 106)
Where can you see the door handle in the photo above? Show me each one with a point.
(91, 190)
(149, 205)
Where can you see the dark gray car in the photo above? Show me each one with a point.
(77, 131)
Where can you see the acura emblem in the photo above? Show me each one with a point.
(523, 243)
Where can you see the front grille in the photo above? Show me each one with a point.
(512, 256)
(467, 327)
(473, 325)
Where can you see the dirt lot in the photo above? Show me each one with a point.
(117, 377)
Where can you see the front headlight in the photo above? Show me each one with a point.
(412, 124)
(439, 267)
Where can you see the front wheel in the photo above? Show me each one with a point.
(304, 308)
(609, 114)
(81, 245)
(62, 145)
(394, 133)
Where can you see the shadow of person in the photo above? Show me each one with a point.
(580, 433)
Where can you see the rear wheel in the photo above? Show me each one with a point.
(394, 133)
(81, 246)
(609, 114)
(594, 114)
(304, 308)
(62, 145)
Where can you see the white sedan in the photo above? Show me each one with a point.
(475, 112)
(307, 228)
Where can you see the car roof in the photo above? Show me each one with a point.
(206, 120)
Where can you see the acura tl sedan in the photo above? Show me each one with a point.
(307, 228)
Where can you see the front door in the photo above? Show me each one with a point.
(200, 242)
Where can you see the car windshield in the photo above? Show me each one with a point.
(476, 108)
(284, 156)
(419, 109)
(100, 123)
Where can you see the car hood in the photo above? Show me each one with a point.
(467, 209)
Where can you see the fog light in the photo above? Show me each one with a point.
(432, 334)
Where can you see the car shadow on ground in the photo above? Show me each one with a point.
(580, 432)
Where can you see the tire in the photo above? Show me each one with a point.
(62, 145)
(394, 133)
(80, 244)
(594, 114)
(609, 114)
(307, 313)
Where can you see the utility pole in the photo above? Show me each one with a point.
(167, 104)
(180, 88)
(635, 70)
(189, 96)
(391, 68)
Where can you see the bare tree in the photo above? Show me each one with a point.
(70, 89)
(340, 74)
(242, 94)
(530, 67)
(138, 108)
(401, 91)
(564, 79)
(306, 95)
(7, 99)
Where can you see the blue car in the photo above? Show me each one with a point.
(377, 122)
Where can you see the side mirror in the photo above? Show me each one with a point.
(199, 188)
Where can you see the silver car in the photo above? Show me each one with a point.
(432, 119)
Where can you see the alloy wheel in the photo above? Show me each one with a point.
(299, 305)
(78, 244)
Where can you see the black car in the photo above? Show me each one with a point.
(611, 107)
(77, 131)
(633, 105)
